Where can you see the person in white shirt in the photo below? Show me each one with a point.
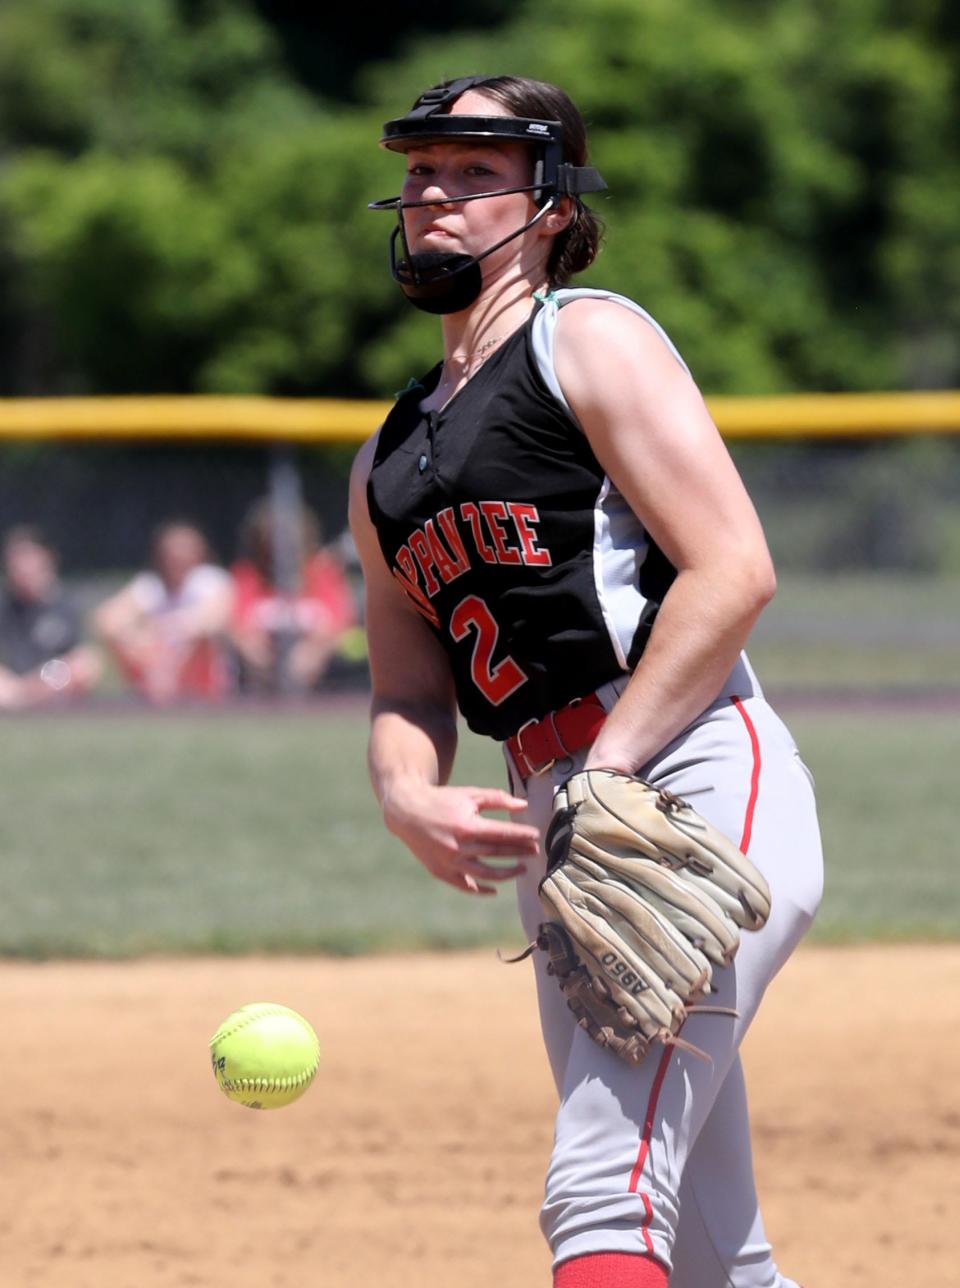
(164, 628)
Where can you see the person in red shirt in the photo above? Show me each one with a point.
(292, 602)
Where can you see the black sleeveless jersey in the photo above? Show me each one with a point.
(499, 523)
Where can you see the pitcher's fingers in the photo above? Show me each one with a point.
(490, 831)
(473, 887)
(497, 798)
(498, 850)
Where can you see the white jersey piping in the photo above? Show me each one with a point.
(620, 541)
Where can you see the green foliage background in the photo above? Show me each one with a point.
(182, 185)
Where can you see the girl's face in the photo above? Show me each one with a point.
(177, 552)
(442, 172)
(30, 569)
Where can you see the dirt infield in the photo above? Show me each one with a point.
(417, 1157)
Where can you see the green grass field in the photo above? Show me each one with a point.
(133, 833)
(876, 630)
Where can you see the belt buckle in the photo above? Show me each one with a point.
(540, 769)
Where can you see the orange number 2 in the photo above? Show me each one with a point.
(496, 683)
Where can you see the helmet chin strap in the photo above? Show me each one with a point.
(444, 281)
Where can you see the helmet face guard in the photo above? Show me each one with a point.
(442, 282)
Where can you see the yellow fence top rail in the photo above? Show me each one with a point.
(331, 420)
(306, 420)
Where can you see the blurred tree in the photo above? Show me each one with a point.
(325, 49)
(152, 78)
(114, 122)
(256, 279)
(180, 210)
(782, 176)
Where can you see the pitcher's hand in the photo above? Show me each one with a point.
(445, 828)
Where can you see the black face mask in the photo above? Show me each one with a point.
(443, 281)
(437, 282)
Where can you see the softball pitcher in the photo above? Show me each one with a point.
(557, 546)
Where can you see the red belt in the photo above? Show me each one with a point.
(539, 744)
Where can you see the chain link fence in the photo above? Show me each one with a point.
(865, 535)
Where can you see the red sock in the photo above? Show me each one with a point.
(610, 1270)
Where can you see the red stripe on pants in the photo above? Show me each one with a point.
(754, 775)
(745, 837)
(645, 1148)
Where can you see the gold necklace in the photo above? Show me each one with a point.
(480, 354)
(487, 344)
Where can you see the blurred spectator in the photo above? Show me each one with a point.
(42, 654)
(166, 628)
(292, 601)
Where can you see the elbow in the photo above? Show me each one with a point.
(766, 583)
(761, 585)
(749, 580)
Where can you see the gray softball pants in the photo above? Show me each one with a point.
(656, 1159)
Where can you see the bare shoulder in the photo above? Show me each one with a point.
(359, 475)
(363, 461)
(605, 352)
(607, 323)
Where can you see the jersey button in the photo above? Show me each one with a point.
(422, 463)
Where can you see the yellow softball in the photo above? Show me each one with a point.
(264, 1055)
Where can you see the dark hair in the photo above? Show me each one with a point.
(27, 534)
(163, 530)
(259, 530)
(577, 246)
